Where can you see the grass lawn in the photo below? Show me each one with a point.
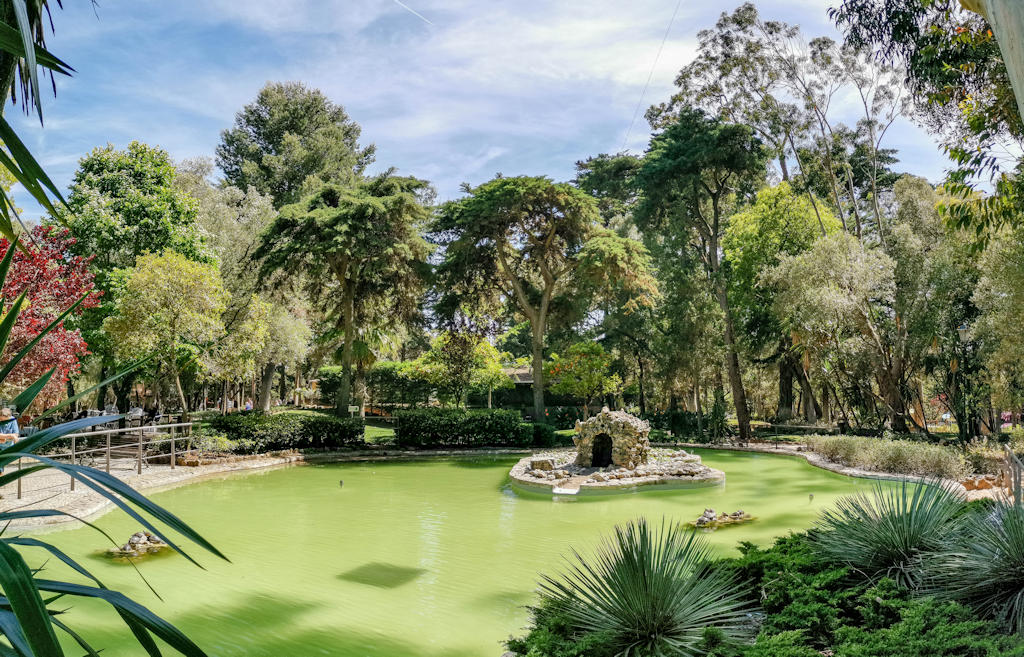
(378, 431)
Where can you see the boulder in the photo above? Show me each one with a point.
(542, 464)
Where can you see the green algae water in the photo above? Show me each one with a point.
(406, 559)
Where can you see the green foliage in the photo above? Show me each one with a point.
(563, 417)
(925, 629)
(890, 532)
(983, 566)
(255, 432)
(169, 306)
(894, 456)
(289, 140)
(779, 223)
(451, 427)
(389, 383)
(552, 634)
(457, 361)
(583, 372)
(125, 203)
(328, 383)
(543, 435)
(358, 249)
(648, 592)
(683, 424)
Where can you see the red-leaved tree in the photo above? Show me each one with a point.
(53, 279)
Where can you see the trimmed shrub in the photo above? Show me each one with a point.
(434, 428)
(256, 432)
(543, 435)
(896, 456)
(329, 383)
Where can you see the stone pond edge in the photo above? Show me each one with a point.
(89, 509)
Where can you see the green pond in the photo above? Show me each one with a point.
(407, 559)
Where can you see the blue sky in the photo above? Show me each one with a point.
(521, 87)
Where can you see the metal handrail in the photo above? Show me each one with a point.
(141, 432)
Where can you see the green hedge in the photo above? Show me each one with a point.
(255, 432)
(449, 427)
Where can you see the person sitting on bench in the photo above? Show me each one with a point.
(9, 430)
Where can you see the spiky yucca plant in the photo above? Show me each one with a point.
(653, 591)
(888, 533)
(984, 566)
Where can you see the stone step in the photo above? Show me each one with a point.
(570, 486)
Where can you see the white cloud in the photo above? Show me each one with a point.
(524, 86)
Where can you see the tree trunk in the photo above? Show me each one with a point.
(739, 395)
(640, 382)
(181, 397)
(345, 391)
(267, 387)
(699, 411)
(809, 403)
(101, 392)
(361, 389)
(786, 397)
(282, 388)
(537, 346)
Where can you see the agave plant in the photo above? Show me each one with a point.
(984, 566)
(889, 532)
(653, 591)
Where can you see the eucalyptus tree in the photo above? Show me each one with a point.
(290, 140)
(960, 90)
(779, 223)
(535, 244)
(232, 222)
(895, 309)
(696, 173)
(363, 238)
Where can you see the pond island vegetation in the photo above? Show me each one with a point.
(766, 276)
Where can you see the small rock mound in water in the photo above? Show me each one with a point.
(710, 520)
(139, 544)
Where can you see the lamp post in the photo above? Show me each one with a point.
(964, 332)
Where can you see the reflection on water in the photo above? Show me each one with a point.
(407, 559)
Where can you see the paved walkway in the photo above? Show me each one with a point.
(50, 489)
